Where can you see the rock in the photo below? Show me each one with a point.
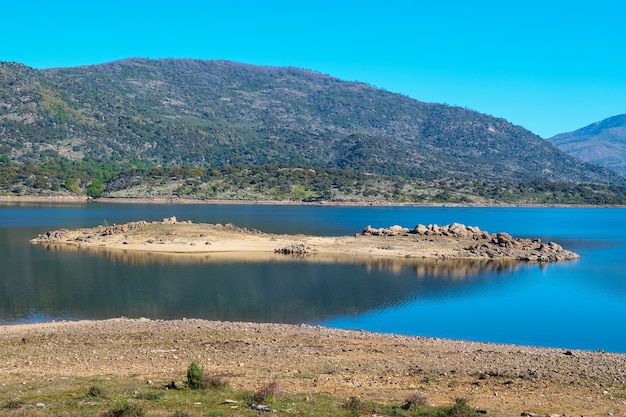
(396, 230)
(261, 407)
(171, 385)
(169, 220)
(504, 239)
(294, 249)
(420, 229)
(369, 230)
(473, 229)
(458, 230)
(389, 231)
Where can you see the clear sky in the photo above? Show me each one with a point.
(549, 65)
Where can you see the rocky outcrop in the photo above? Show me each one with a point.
(62, 235)
(295, 249)
(483, 244)
(388, 231)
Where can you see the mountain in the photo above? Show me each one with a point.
(106, 124)
(602, 143)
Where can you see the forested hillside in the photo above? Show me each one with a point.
(216, 129)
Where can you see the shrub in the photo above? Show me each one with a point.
(415, 400)
(330, 368)
(461, 408)
(354, 406)
(196, 379)
(267, 391)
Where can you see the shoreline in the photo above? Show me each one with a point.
(176, 200)
(310, 360)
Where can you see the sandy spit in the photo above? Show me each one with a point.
(454, 241)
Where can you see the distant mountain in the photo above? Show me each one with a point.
(96, 123)
(602, 143)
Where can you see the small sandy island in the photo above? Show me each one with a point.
(455, 241)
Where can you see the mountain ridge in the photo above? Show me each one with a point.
(141, 113)
(602, 143)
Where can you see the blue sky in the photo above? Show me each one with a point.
(550, 66)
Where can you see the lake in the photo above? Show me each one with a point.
(575, 305)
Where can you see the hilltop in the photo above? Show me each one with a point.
(218, 129)
(602, 143)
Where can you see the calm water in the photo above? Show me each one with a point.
(579, 304)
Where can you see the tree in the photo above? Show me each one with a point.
(96, 188)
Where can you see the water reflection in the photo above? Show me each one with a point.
(62, 282)
(449, 268)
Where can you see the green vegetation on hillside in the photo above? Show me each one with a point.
(276, 183)
(215, 129)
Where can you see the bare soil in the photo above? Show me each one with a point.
(502, 379)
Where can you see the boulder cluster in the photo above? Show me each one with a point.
(51, 236)
(63, 235)
(457, 230)
(294, 249)
(487, 245)
(117, 229)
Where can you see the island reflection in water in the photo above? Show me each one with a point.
(102, 283)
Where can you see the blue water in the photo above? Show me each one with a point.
(577, 304)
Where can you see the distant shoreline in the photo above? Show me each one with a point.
(117, 200)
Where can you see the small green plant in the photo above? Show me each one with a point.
(266, 392)
(128, 410)
(196, 379)
(214, 414)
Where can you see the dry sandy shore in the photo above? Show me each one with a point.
(505, 380)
